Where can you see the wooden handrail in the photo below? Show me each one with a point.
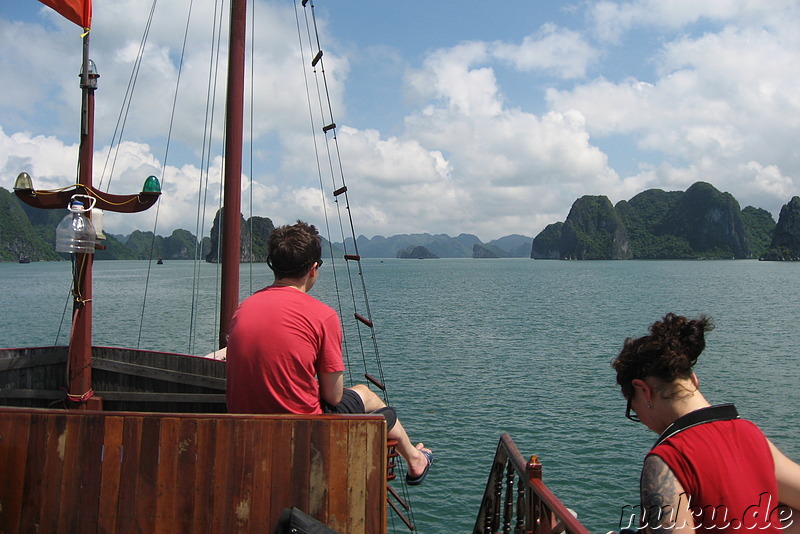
(531, 508)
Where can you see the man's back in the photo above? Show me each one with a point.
(280, 338)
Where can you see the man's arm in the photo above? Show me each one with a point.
(665, 505)
(331, 386)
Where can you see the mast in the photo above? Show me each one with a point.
(79, 380)
(231, 220)
(79, 357)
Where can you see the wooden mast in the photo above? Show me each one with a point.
(231, 220)
(80, 343)
(79, 358)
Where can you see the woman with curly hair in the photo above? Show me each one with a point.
(709, 470)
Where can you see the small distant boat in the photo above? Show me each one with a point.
(160, 262)
(24, 259)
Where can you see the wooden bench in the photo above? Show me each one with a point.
(119, 472)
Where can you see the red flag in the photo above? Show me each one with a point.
(77, 11)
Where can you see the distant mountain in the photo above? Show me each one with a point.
(486, 251)
(417, 252)
(181, 245)
(441, 245)
(785, 243)
(30, 232)
(253, 243)
(701, 222)
(25, 231)
(514, 246)
(19, 237)
(594, 231)
(759, 227)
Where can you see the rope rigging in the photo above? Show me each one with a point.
(203, 179)
(337, 179)
(127, 99)
(359, 333)
(166, 149)
(329, 166)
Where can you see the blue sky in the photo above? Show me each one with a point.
(468, 116)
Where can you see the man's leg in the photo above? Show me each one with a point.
(416, 461)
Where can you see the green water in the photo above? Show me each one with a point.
(474, 348)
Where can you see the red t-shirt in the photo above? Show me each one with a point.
(280, 338)
(727, 470)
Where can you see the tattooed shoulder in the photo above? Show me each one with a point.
(660, 493)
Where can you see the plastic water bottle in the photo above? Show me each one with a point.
(75, 233)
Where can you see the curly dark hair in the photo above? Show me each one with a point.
(669, 352)
(292, 249)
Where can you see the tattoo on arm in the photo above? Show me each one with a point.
(661, 495)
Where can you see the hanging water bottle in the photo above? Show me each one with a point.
(75, 233)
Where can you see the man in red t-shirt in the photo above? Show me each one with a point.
(284, 351)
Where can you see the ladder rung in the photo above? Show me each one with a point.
(400, 514)
(403, 503)
(329, 127)
(352, 257)
(363, 320)
(316, 59)
(339, 191)
(378, 383)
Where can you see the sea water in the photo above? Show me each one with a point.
(471, 349)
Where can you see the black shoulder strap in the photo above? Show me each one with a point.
(720, 412)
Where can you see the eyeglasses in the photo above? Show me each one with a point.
(319, 263)
(632, 416)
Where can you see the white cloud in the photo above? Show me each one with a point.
(723, 105)
(612, 19)
(563, 52)
(53, 165)
(46, 159)
(714, 99)
(503, 160)
(448, 75)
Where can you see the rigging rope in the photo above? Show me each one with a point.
(252, 19)
(335, 171)
(339, 187)
(116, 143)
(206, 158)
(164, 163)
(126, 102)
(202, 190)
(329, 167)
(317, 159)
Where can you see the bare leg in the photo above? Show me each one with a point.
(413, 456)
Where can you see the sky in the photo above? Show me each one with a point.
(487, 118)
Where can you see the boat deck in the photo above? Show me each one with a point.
(80, 471)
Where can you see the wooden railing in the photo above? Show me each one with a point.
(140, 382)
(124, 472)
(125, 380)
(528, 508)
